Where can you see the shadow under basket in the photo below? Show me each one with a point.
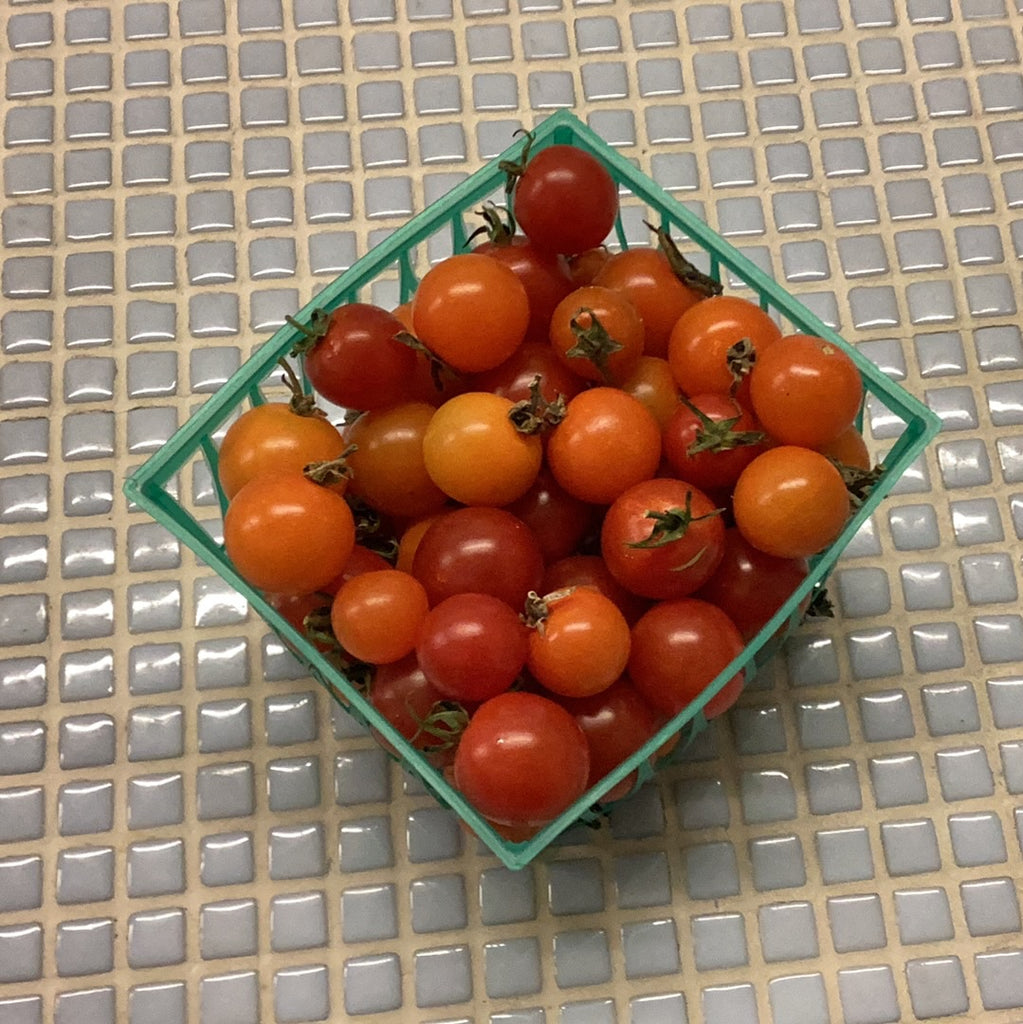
(387, 275)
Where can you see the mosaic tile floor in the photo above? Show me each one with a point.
(189, 832)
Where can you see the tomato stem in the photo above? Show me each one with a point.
(444, 722)
(593, 343)
(300, 403)
(312, 332)
(858, 482)
(687, 272)
(332, 471)
(514, 170)
(719, 435)
(740, 359)
(673, 524)
(535, 414)
(499, 229)
(438, 368)
(820, 604)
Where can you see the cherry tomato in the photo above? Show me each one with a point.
(651, 382)
(388, 471)
(376, 616)
(616, 722)
(701, 340)
(523, 760)
(361, 560)
(408, 543)
(678, 649)
(607, 442)
(479, 550)
(584, 266)
(597, 333)
(591, 571)
(471, 311)
(475, 454)
(544, 276)
(557, 180)
(749, 585)
(472, 647)
(644, 276)
(274, 438)
(849, 449)
(559, 521)
(286, 535)
(358, 363)
(790, 502)
(581, 644)
(710, 440)
(401, 693)
(514, 377)
(297, 608)
(662, 538)
(805, 390)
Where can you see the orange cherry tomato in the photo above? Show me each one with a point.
(790, 502)
(607, 442)
(388, 471)
(597, 333)
(645, 277)
(286, 535)
(581, 645)
(274, 438)
(474, 453)
(376, 616)
(805, 390)
(849, 448)
(698, 349)
(471, 311)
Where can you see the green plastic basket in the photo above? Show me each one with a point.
(444, 225)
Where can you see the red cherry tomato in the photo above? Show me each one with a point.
(678, 649)
(591, 571)
(357, 363)
(662, 538)
(544, 276)
(514, 377)
(709, 440)
(559, 521)
(749, 585)
(523, 760)
(472, 647)
(480, 551)
(559, 179)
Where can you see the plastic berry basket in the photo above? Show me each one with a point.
(393, 268)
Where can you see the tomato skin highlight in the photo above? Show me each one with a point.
(286, 535)
(805, 391)
(273, 438)
(678, 648)
(582, 646)
(471, 311)
(472, 647)
(557, 179)
(790, 502)
(522, 760)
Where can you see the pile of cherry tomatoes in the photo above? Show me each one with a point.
(576, 484)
